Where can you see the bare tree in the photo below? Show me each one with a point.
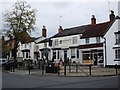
(21, 18)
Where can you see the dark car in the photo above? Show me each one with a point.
(7, 65)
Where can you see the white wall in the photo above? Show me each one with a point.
(66, 41)
(110, 42)
(92, 40)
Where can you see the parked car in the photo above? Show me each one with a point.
(3, 60)
(7, 65)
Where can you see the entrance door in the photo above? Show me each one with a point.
(65, 55)
(95, 59)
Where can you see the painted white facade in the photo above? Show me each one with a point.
(68, 47)
(67, 43)
(31, 48)
(110, 43)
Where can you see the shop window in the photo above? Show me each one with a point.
(86, 55)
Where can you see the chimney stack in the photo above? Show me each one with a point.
(60, 29)
(93, 20)
(112, 16)
(44, 31)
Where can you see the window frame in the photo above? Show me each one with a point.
(87, 40)
(117, 39)
(117, 54)
(56, 42)
(73, 53)
(74, 40)
(97, 39)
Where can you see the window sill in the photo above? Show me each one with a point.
(116, 59)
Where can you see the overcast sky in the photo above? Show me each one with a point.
(73, 14)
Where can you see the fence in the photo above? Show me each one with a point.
(72, 69)
(80, 70)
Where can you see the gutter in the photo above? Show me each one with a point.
(105, 52)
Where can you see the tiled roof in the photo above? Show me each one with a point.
(45, 40)
(70, 31)
(98, 30)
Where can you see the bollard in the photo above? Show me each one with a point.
(29, 69)
(76, 68)
(58, 69)
(42, 69)
(69, 68)
(64, 68)
(89, 69)
(39, 64)
(116, 68)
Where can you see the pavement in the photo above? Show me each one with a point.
(80, 71)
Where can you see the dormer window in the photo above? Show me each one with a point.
(117, 37)
(97, 39)
(87, 40)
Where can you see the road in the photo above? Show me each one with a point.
(29, 81)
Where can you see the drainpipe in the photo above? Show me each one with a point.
(105, 52)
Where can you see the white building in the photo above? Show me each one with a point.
(87, 44)
(29, 47)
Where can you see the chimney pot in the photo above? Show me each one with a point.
(112, 16)
(60, 29)
(93, 20)
(44, 31)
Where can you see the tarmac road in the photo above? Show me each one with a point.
(29, 81)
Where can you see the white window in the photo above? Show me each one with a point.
(97, 39)
(74, 41)
(117, 54)
(73, 53)
(87, 40)
(56, 42)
